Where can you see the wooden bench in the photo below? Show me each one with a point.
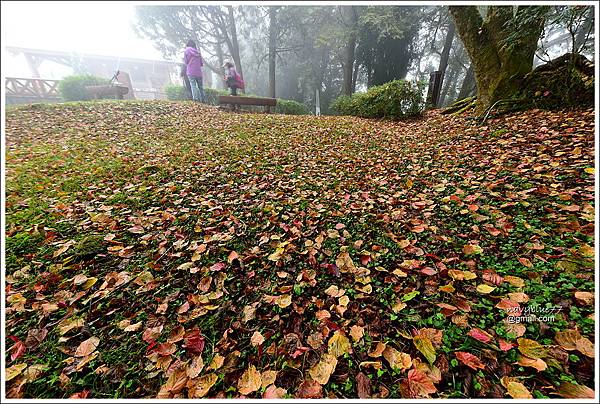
(238, 100)
(106, 91)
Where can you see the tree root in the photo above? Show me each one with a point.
(512, 102)
(460, 106)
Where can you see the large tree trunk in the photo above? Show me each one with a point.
(354, 77)
(584, 30)
(446, 89)
(272, 48)
(499, 68)
(219, 51)
(235, 48)
(444, 58)
(468, 87)
(347, 81)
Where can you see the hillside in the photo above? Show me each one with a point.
(162, 249)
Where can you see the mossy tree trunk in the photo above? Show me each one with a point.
(501, 47)
(349, 51)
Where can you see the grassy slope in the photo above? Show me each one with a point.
(149, 196)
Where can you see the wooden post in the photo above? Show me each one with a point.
(433, 92)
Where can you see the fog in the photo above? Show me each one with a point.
(103, 28)
(281, 51)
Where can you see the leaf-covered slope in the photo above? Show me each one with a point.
(165, 249)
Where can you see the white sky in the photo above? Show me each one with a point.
(103, 28)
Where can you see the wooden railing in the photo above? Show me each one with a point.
(32, 88)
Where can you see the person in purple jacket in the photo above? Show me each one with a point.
(193, 62)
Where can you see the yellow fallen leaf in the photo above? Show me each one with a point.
(133, 327)
(217, 362)
(344, 300)
(374, 364)
(485, 289)
(515, 389)
(323, 369)
(449, 288)
(275, 256)
(424, 345)
(398, 306)
(283, 301)
(586, 298)
(472, 249)
(515, 281)
(531, 348)
(249, 313)
(268, 378)
(338, 344)
(68, 324)
(14, 371)
(199, 387)
(250, 381)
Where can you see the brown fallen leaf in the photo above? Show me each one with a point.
(379, 348)
(537, 363)
(515, 389)
(195, 367)
(250, 381)
(87, 347)
(257, 339)
(357, 332)
(363, 386)
(585, 346)
(585, 298)
(321, 371)
(199, 387)
(268, 378)
(570, 390)
(273, 392)
(175, 383)
(397, 359)
(309, 389)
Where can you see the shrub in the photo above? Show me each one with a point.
(342, 105)
(72, 88)
(178, 93)
(212, 95)
(395, 100)
(288, 107)
(291, 107)
(175, 92)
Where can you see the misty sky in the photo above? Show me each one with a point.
(102, 28)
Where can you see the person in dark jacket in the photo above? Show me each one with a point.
(194, 63)
(186, 82)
